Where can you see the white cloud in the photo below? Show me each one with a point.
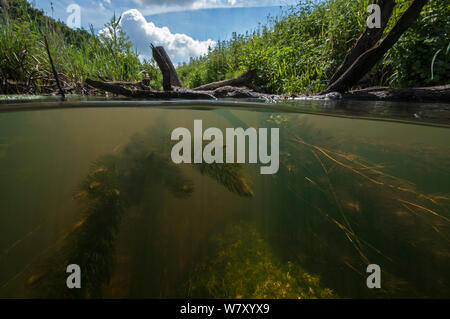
(180, 47)
(149, 7)
(212, 3)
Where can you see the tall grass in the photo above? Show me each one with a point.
(294, 53)
(77, 54)
(299, 51)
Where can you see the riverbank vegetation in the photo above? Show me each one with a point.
(297, 52)
(77, 54)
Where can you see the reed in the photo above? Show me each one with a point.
(78, 54)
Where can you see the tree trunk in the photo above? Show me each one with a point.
(170, 75)
(367, 40)
(368, 59)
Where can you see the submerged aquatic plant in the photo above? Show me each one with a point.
(243, 265)
(342, 195)
(116, 183)
(232, 176)
(91, 242)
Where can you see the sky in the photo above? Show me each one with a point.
(186, 28)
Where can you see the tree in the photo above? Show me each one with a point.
(356, 66)
(367, 40)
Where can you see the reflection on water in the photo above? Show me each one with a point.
(97, 188)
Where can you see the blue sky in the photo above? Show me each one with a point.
(185, 27)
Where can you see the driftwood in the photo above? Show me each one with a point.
(123, 83)
(173, 89)
(178, 93)
(146, 94)
(232, 92)
(170, 75)
(245, 79)
(432, 94)
(426, 94)
(141, 84)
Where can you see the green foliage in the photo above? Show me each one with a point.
(90, 244)
(421, 56)
(299, 51)
(294, 53)
(244, 266)
(232, 176)
(77, 54)
(115, 183)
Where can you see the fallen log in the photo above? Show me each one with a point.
(234, 93)
(145, 94)
(124, 83)
(245, 79)
(425, 94)
(429, 96)
(170, 75)
(173, 88)
(141, 84)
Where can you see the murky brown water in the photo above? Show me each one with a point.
(97, 187)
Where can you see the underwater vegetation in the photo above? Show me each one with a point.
(243, 265)
(359, 214)
(116, 183)
(90, 244)
(146, 227)
(231, 176)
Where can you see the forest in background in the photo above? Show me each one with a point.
(294, 53)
